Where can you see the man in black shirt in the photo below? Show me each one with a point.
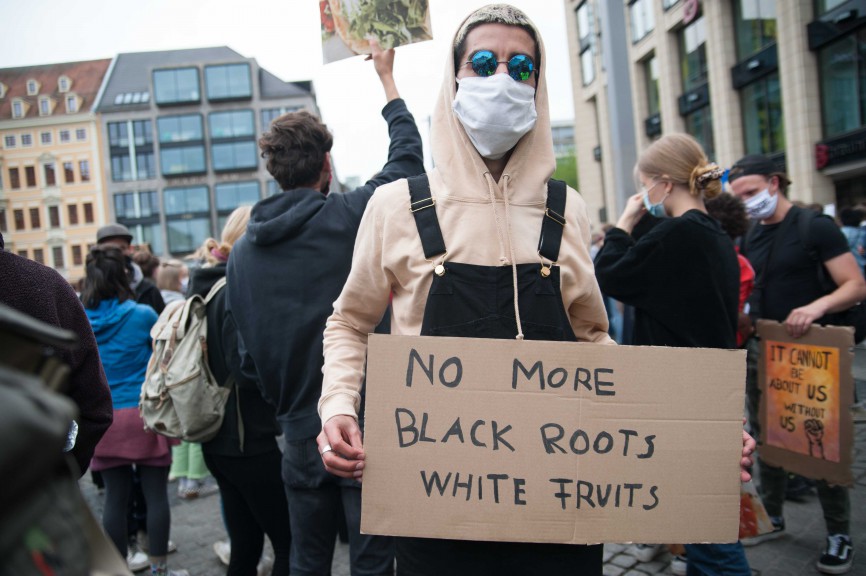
(788, 289)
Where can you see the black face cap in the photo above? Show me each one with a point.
(113, 231)
(752, 164)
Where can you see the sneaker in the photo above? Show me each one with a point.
(646, 552)
(223, 550)
(778, 531)
(838, 556)
(679, 565)
(137, 560)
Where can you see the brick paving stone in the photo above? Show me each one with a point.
(624, 560)
(612, 570)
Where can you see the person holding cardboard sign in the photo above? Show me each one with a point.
(681, 277)
(454, 246)
(794, 254)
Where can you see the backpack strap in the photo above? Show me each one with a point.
(553, 224)
(803, 229)
(214, 290)
(423, 208)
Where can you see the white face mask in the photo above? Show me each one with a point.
(762, 205)
(496, 112)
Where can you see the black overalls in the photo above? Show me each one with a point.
(478, 301)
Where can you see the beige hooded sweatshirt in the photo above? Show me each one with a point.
(479, 227)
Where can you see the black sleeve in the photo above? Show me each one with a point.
(405, 157)
(624, 267)
(827, 239)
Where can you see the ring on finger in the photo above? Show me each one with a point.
(326, 448)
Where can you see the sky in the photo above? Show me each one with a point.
(284, 37)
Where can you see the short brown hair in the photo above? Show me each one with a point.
(295, 149)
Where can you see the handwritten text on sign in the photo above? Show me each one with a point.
(551, 442)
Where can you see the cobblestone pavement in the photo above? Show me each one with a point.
(197, 524)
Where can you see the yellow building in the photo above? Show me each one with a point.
(52, 193)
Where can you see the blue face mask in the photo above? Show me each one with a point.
(657, 210)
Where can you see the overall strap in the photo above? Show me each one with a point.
(554, 221)
(423, 208)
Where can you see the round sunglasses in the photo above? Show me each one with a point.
(484, 63)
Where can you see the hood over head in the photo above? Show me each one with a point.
(283, 215)
(459, 164)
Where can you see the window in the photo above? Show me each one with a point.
(754, 25)
(669, 3)
(57, 255)
(187, 212)
(63, 84)
(77, 260)
(763, 123)
(825, 6)
(700, 125)
(176, 86)
(45, 138)
(182, 160)
(186, 200)
(88, 213)
(234, 156)
(187, 235)
(71, 104)
(68, 173)
(230, 195)
(30, 176)
(843, 84)
(271, 114)
(44, 106)
(228, 82)
(642, 19)
(14, 179)
(131, 205)
(17, 109)
(84, 170)
(233, 124)
(50, 174)
(131, 158)
(72, 212)
(35, 219)
(9, 141)
(32, 87)
(19, 219)
(27, 140)
(180, 128)
(651, 72)
(54, 216)
(693, 55)
(2, 220)
(273, 188)
(64, 136)
(81, 134)
(23, 253)
(38, 255)
(586, 37)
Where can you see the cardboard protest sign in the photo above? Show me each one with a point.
(806, 394)
(532, 441)
(348, 25)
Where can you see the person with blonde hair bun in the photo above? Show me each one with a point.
(214, 251)
(681, 276)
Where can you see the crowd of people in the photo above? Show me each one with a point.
(450, 252)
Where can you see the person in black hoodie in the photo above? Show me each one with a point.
(283, 277)
(243, 456)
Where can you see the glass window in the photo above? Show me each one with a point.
(145, 164)
(50, 174)
(843, 84)
(57, 255)
(584, 21)
(187, 235)
(44, 106)
(9, 141)
(23, 253)
(186, 199)
(118, 134)
(39, 255)
(35, 218)
(182, 160)
(71, 104)
(700, 125)
(30, 175)
(19, 219)
(77, 260)
(230, 195)
(234, 156)
(72, 212)
(271, 114)
(2, 220)
(142, 131)
(150, 234)
(693, 40)
(228, 81)
(84, 170)
(136, 205)
(68, 173)
(81, 134)
(54, 216)
(763, 122)
(642, 19)
(180, 128)
(828, 5)
(651, 72)
(586, 37)
(27, 139)
(231, 124)
(45, 137)
(64, 136)
(273, 188)
(88, 213)
(755, 26)
(176, 86)
(17, 109)
(14, 179)
(587, 67)
(669, 3)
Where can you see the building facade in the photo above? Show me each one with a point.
(783, 78)
(180, 131)
(52, 195)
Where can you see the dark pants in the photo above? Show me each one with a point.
(717, 560)
(254, 504)
(835, 501)
(314, 498)
(118, 488)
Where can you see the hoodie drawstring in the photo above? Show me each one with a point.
(490, 185)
